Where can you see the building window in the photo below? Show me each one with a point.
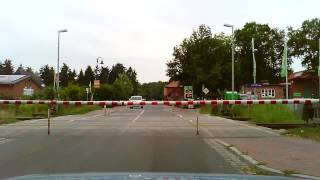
(268, 93)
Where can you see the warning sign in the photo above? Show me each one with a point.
(188, 92)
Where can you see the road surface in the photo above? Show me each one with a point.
(153, 139)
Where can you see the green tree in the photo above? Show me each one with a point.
(64, 75)
(81, 80)
(72, 93)
(6, 67)
(132, 75)
(269, 44)
(152, 90)
(88, 76)
(48, 93)
(104, 75)
(304, 43)
(123, 87)
(201, 59)
(72, 76)
(115, 71)
(105, 92)
(47, 74)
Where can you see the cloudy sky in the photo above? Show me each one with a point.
(137, 33)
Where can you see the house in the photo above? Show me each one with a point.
(266, 90)
(304, 84)
(15, 86)
(173, 91)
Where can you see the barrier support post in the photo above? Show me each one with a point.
(49, 121)
(197, 124)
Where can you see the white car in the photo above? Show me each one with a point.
(136, 99)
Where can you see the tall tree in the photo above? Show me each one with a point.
(123, 87)
(269, 44)
(304, 43)
(6, 67)
(199, 60)
(88, 75)
(132, 75)
(47, 75)
(152, 90)
(81, 79)
(72, 76)
(64, 75)
(104, 75)
(115, 71)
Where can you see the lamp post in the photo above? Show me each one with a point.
(232, 66)
(99, 61)
(254, 65)
(58, 63)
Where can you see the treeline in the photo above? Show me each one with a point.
(116, 83)
(204, 58)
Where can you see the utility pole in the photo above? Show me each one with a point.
(254, 65)
(58, 63)
(232, 65)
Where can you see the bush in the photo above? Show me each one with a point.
(72, 92)
(105, 92)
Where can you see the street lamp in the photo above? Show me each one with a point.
(232, 66)
(99, 61)
(58, 64)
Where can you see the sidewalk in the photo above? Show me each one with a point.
(269, 147)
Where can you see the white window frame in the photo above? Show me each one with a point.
(268, 93)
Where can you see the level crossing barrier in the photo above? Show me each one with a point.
(143, 103)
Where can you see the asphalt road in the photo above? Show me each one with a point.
(153, 139)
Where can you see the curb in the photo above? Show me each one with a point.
(255, 163)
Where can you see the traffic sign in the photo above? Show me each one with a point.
(188, 92)
(205, 91)
(96, 83)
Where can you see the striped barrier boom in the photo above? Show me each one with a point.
(143, 103)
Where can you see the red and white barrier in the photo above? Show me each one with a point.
(142, 103)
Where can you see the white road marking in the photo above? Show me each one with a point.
(133, 121)
(139, 115)
(2, 141)
(33, 121)
(190, 120)
(179, 115)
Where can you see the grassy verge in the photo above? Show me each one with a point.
(260, 113)
(305, 132)
(11, 113)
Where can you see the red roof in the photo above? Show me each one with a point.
(302, 75)
(173, 84)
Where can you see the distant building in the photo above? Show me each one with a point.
(15, 86)
(305, 84)
(173, 91)
(266, 90)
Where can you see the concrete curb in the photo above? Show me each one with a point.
(255, 163)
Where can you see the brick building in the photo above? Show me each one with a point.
(173, 91)
(15, 86)
(266, 90)
(304, 84)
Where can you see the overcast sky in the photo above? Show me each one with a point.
(140, 34)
